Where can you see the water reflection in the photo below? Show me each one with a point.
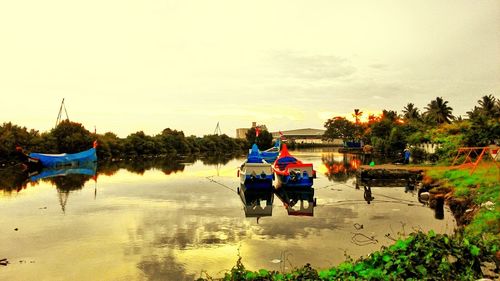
(140, 166)
(340, 167)
(257, 203)
(298, 202)
(13, 179)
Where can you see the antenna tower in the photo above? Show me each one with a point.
(217, 130)
(59, 116)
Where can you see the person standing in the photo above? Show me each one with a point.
(407, 156)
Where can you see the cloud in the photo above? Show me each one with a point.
(314, 67)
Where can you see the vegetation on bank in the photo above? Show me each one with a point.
(390, 133)
(71, 137)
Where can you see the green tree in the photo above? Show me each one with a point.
(110, 145)
(13, 135)
(264, 141)
(438, 111)
(71, 137)
(410, 112)
(138, 144)
(341, 128)
(174, 141)
(489, 106)
(484, 122)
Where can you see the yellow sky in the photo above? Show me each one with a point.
(126, 66)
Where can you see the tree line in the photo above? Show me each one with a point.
(391, 132)
(72, 137)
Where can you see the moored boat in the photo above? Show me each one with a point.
(255, 173)
(291, 172)
(66, 159)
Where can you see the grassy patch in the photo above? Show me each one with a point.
(483, 187)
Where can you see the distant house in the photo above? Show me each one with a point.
(307, 135)
(241, 132)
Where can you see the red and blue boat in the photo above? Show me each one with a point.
(291, 172)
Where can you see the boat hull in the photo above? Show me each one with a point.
(291, 172)
(65, 159)
(291, 181)
(256, 176)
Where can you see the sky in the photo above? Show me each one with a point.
(128, 66)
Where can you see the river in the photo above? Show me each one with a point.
(162, 219)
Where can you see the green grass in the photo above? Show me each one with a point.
(481, 187)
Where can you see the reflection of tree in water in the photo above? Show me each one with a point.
(215, 159)
(69, 182)
(341, 170)
(141, 165)
(13, 179)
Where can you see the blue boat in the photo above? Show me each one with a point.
(255, 173)
(272, 153)
(65, 159)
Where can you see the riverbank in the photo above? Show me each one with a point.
(471, 253)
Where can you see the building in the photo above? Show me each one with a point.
(307, 135)
(242, 132)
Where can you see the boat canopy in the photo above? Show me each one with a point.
(254, 155)
(54, 160)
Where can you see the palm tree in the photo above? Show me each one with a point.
(488, 106)
(390, 115)
(438, 111)
(410, 112)
(357, 114)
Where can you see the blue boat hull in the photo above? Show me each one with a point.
(65, 159)
(257, 183)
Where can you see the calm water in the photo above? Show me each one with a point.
(165, 220)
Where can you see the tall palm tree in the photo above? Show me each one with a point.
(488, 106)
(410, 112)
(438, 111)
(357, 114)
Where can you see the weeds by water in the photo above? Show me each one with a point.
(421, 256)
